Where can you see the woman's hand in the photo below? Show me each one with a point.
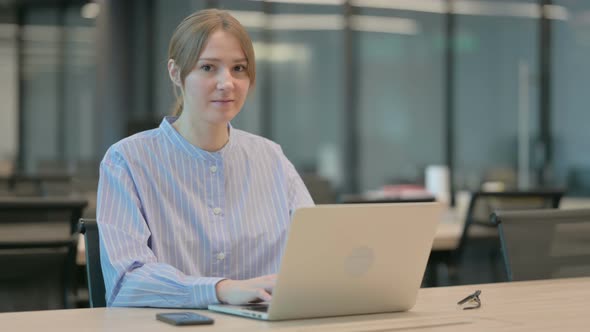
(245, 291)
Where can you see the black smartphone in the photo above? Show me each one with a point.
(184, 318)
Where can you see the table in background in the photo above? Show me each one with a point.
(450, 229)
(39, 181)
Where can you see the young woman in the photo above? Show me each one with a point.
(196, 212)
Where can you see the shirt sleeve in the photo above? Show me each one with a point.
(132, 274)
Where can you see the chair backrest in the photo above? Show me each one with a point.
(96, 288)
(483, 204)
(37, 252)
(545, 244)
(319, 188)
(38, 277)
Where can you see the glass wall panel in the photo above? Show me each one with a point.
(306, 57)
(59, 83)
(400, 106)
(8, 92)
(80, 85)
(496, 90)
(571, 78)
(40, 76)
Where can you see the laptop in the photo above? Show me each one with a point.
(349, 260)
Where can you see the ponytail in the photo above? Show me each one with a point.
(177, 110)
(179, 104)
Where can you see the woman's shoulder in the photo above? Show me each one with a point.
(132, 146)
(252, 141)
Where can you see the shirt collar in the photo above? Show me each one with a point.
(194, 151)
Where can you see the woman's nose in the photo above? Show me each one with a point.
(224, 80)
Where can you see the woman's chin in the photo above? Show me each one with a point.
(222, 117)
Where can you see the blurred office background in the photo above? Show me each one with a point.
(360, 94)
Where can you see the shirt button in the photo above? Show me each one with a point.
(217, 211)
(213, 169)
(220, 256)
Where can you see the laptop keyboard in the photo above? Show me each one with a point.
(260, 307)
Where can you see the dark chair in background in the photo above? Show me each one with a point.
(578, 181)
(38, 240)
(544, 244)
(319, 188)
(477, 258)
(96, 287)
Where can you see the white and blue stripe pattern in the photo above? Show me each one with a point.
(174, 219)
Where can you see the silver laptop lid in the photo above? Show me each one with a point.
(354, 259)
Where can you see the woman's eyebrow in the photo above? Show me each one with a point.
(219, 60)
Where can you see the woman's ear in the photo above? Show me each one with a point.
(174, 73)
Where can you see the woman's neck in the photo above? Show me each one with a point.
(201, 134)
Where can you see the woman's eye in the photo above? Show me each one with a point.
(206, 67)
(240, 68)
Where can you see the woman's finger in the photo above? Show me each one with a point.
(264, 295)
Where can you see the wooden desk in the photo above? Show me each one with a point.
(547, 305)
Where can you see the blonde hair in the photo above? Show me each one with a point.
(191, 36)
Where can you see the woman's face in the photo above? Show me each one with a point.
(216, 88)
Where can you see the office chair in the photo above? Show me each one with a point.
(38, 252)
(37, 275)
(319, 188)
(544, 244)
(471, 248)
(96, 287)
(578, 181)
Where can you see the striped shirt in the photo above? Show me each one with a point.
(174, 220)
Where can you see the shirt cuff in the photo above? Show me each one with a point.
(204, 292)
